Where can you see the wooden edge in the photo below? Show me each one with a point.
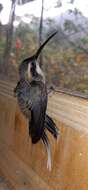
(70, 110)
(56, 89)
(70, 92)
(66, 108)
(19, 175)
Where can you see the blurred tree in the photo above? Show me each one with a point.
(21, 2)
(58, 4)
(77, 12)
(1, 7)
(72, 1)
(70, 26)
(28, 39)
(9, 34)
(41, 32)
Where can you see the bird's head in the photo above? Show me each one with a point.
(30, 68)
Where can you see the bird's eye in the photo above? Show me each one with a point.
(32, 69)
(33, 64)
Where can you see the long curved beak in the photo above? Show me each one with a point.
(42, 46)
(25, 62)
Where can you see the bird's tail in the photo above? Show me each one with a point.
(51, 126)
(48, 149)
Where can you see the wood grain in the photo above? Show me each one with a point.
(24, 164)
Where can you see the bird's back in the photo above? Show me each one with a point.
(32, 97)
(38, 93)
(22, 91)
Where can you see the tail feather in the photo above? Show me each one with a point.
(51, 127)
(48, 149)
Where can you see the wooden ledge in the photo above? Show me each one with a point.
(24, 165)
(70, 110)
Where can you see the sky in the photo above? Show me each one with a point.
(34, 8)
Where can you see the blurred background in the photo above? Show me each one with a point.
(25, 24)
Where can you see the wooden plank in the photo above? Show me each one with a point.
(73, 111)
(18, 173)
(7, 88)
(71, 92)
(7, 118)
(24, 164)
(4, 185)
(70, 164)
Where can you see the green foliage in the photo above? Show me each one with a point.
(2, 45)
(85, 39)
(28, 40)
(64, 66)
(70, 26)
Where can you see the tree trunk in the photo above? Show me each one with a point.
(9, 36)
(1, 8)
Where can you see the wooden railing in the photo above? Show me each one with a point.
(24, 164)
(71, 110)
